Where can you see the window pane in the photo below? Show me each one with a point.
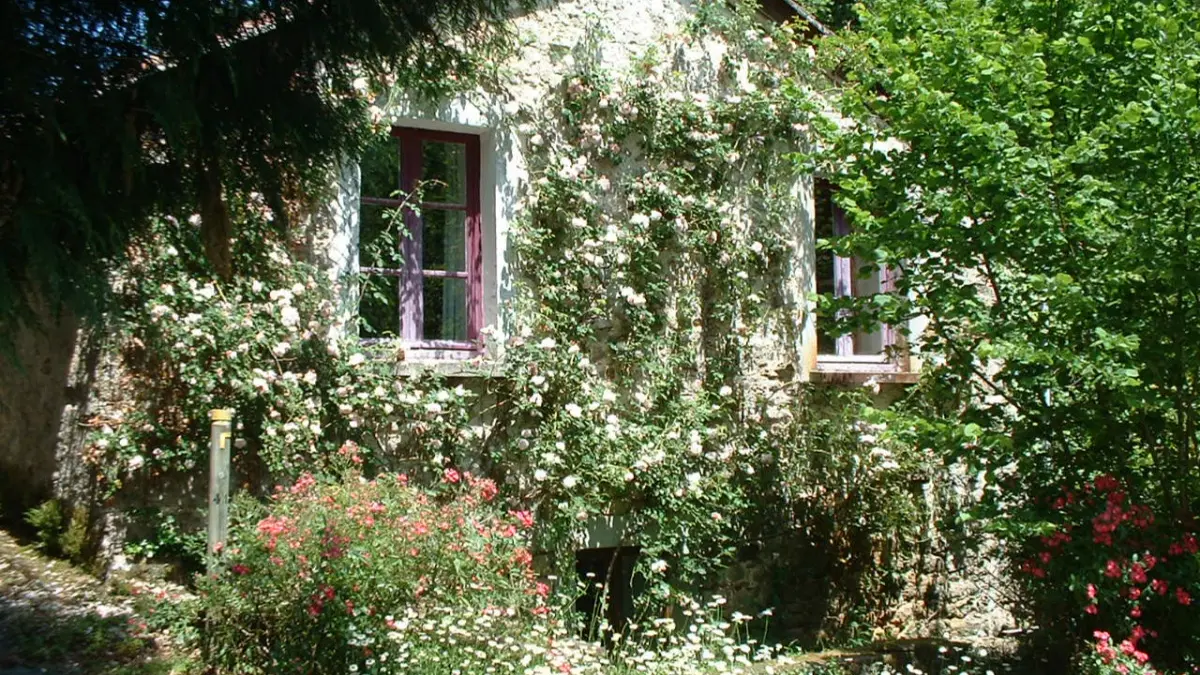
(379, 306)
(445, 309)
(444, 172)
(445, 241)
(381, 235)
(823, 229)
(823, 210)
(380, 166)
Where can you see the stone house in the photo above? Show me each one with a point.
(446, 294)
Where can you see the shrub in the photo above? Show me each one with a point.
(58, 535)
(374, 576)
(75, 541)
(1119, 578)
(48, 521)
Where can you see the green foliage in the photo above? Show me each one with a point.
(59, 534)
(168, 540)
(49, 521)
(1032, 169)
(196, 343)
(75, 542)
(115, 112)
(1109, 566)
(99, 645)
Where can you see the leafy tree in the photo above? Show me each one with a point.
(112, 111)
(1033, 169)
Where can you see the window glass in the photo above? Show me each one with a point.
(823, 229)
(444, 172)
(445, 240)
(379, 306)
(379, 237)
(445, 302)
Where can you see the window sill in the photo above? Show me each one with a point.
(861, 370)
(413, 361)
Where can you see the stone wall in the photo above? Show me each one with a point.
(817, 596)
(44, 376)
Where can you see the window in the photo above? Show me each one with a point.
(841, 277)
(420, 248)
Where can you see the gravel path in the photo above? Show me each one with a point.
(57, 619)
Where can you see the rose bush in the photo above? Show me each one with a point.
(1111, 571)
(336, 577)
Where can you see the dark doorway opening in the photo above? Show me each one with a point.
(609, 590)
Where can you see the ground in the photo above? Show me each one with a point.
(57, 619)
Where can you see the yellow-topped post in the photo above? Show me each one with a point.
(218, 478)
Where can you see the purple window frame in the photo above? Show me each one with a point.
(412, 276)
(844, 276)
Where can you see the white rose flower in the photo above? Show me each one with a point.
(573, 410)
(356, 359)
(548, 343)
(288, 316)
(570, 482)
(540, 475)
(658, 566)
(281, 348)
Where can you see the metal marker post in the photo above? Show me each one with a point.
(218, 478)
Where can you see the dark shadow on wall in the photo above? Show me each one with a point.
(46, 384)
